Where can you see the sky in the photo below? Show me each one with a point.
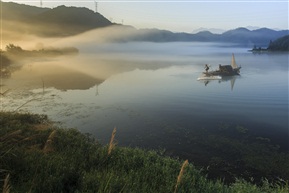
(184, 15)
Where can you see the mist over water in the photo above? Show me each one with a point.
(150, 90)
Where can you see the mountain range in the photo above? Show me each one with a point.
(66, 21)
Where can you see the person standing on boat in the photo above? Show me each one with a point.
(207, 67)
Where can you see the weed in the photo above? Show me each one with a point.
(6, 186)
(111, 143)
(179, 179)
(48, 145)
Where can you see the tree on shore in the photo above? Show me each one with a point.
(281, 44)
(13, 48)
(4, 62)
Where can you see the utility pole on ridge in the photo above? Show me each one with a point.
(95, 3)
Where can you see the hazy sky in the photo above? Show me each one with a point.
(186, 15)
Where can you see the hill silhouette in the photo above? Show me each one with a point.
(71, 20)
(261, 36)
(13, 11)
(66, 21)
(59, 21)
(280, 44)
(241, 36)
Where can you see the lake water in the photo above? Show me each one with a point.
(150, 93)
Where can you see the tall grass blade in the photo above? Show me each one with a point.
(35, 99)
(111, 143)
(181, 174)
(11, 135)
(48, 145)
(43, 86)
(6, 186)
(5, 92)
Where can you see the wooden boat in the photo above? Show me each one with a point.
(224, 70)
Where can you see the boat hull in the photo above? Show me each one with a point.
(210, 78)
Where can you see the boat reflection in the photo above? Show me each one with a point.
(232, 80)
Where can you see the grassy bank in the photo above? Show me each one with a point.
(36, 156)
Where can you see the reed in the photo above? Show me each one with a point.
(11, 135)
(179, 179)
(5, 92)
(43, 86)
(111, 143)
(48, 144)
(34, 99)
(6, 186)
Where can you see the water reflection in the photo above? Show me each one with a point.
(231, 79)
(71, 80)
(51, 76)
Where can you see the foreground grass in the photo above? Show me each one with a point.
(35, 156)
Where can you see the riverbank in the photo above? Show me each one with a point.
(36, 156)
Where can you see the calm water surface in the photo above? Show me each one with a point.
(150, 92)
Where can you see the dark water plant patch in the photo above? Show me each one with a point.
(227, 151)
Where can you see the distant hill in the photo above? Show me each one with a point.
(59, 21)
(71, 20)
(212, 30)
(67, 21)
(260, 37)
(241, 36)
(206, 36)
(281, 44)
(14, 11)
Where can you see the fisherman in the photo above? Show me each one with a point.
(207, 67)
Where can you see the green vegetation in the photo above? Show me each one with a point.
(17, 51)
(36, 156)
(4, 65)
(280, 44)
(5, 61)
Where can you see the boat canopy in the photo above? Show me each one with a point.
(233, 62)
